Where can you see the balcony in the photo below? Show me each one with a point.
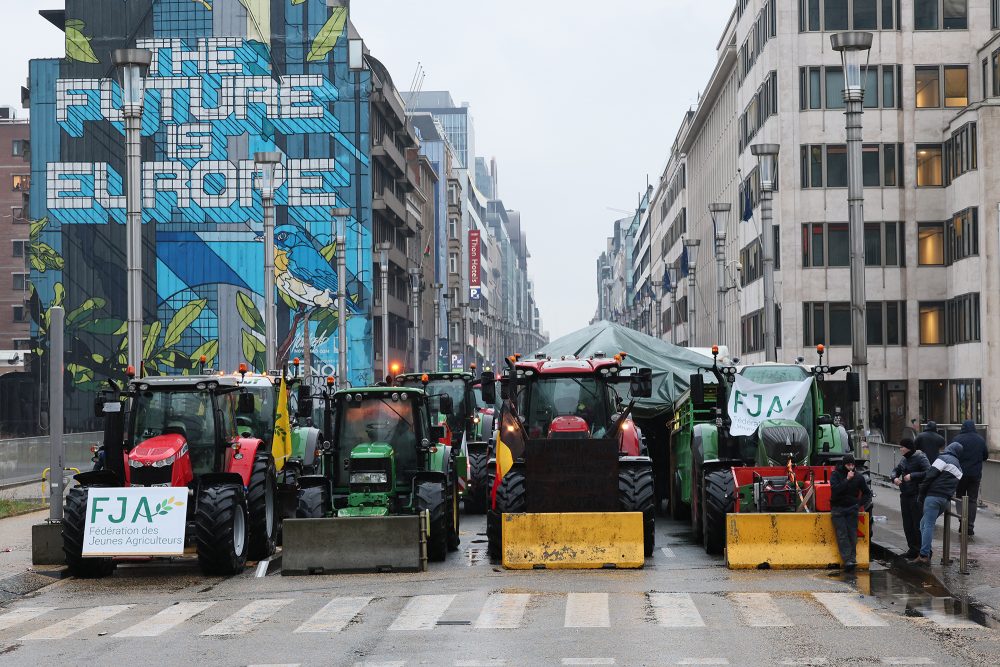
(390, 206)
(386, 153)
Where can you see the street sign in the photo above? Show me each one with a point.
(136, 521)
(474, 293)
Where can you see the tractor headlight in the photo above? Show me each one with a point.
(369, 478)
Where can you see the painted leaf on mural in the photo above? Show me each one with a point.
(104, 326)
(181, 320)
(204, 3)
(152, 334)
(289, 301)
(329, 251)
(209, 349)
(297, 2)
(77, 44)
(41, 256)
(328, 35)
(253, 350)
(249, 313)
(86, 308)
(326, 324)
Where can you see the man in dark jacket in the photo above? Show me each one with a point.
(930, 442)
(849, 493)
(939, 485)
(907, 475)
(974, 452)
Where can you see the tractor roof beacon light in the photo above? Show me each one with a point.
(243, 370)
(130, 372)
(853, 46)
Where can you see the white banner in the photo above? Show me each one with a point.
(751, 403)
(135, 521)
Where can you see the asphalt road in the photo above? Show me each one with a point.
(682, 608)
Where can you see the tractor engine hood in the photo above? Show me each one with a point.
(784, 439)
(158, 451)
(569, 427)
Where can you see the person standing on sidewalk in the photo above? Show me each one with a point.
(907, 475)
(974, 452)
(849, 494)
(930, 442)
(939, 485)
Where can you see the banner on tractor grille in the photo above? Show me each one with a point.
(135, 521)
(751, 403)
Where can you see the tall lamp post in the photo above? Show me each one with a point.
(657, 284)
(767, 161)
(720, 213)
(853, 47)
(691, 245)
(266, 163)
(415, 298)
(340, 216)
(132, 64)
(464, 309)
(383, 265)
(437, 287)
(673, 274)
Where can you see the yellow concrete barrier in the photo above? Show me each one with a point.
(784, 541)
(572, 540)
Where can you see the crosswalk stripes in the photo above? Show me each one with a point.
(675, 610)
(247, 618)
(170, 617)
(335, 615)
(503, 611)
(759, 610)
(588, 661)
(907, 661)
(422, 612)
(23, 615)
(587, 610)
(669, 553)
(85, 619)
(940, 617)
(845, 608)
(703, 661)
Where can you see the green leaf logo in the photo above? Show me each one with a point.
(77, 44)
(328, 35)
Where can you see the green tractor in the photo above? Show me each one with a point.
(384, 458)
(713, 473)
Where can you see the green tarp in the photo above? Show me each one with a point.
(672, 365)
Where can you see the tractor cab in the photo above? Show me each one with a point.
(458, 386)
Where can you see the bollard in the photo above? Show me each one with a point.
(56, 464)
(963, 538)
(946, 546)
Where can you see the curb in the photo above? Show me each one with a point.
(29, 581)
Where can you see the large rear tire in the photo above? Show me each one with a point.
(433, 497)
(719, 490)
(454, 520)
(511, 498)
(262, 504)
(73, 526)
(313, 503)
(477, 501)
(697, 510)
(637, 493)
(221, 529)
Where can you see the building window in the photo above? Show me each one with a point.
(995, 60)
(453, 228)
(956, 86)
(885, 323)
(882, 165)
(453, 263)
(823, 87)
(816, 15)
(963, 234)
(20, 281)
(21, 182)
(826, 323)
(930, 244)
(17, 215)
(763, 105)
(928, 87)
(940, 14)
(960, 153)
(932, 322)
(966, 400)
(963, 319)
(929, 165)
(884, 244)
(20, 248)
(763, 29)
(995, 14)
(20, 314)
(22, 344)
(19, 147)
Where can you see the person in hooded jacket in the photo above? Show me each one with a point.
(939, 485)
(849, 493)
(907, 475)
(930, 442)
(974, 452)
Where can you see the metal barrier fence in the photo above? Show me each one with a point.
(883, 456)
(26, 458)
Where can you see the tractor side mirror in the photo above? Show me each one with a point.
(504, 389)
(445, 405)
(437, 433)
(641, 383)
(854, 386)
(488, 387)
(697, 384)
(304, 408)
(246, 405)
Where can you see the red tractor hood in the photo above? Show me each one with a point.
(568, 426)
(158, 448)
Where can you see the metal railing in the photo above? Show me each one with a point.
(963, 534)
(26, 458)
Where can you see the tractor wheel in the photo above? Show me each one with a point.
(477, 501)
(74, 522)
(313, 502)
(636, 494)
(221, 529)
(262, 504)
(454, 521)
(719, 488)
(511, 499)
(433, 497)
(696, 505)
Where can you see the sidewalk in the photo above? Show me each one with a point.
(982, 585)
(17, 575)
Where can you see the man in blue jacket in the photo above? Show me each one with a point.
(939, 485)
(974, 452)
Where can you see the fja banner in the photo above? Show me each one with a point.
(751, 403)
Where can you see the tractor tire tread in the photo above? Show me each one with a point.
(429, 496)
(637, 493)
(313, 502)
(214, 529)
(477, 501)
(719, 489)
(73, 526)
(261, 541)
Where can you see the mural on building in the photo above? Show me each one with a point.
(228, 78)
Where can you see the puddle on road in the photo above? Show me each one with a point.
(910, 595)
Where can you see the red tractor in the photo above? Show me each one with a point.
(566, 442)
(182, 432)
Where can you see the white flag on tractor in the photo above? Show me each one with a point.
(751, 403)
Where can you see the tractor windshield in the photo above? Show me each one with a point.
(551, 397)
(186, 413)
(377, 419)
(455, 389)
(261, 422)
(770, 374)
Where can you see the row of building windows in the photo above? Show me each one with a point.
(994, 64)
(752, 330)
(828, 244)
(944, 243)
(764, 28)
(817, 15)
(763, 105)
(674, 189)
(825, 165)
(823, 87)
(960, 154)
(829, 323)
(752, 258)
(950, 322)
(951, 401)
(934, 83)
(675, 231)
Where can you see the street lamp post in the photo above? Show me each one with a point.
(672, 274)
(692, 250)
(266, 163)
(415, 298)
(853, 47)
(767, 160)
(720, 213)
(133, 64)
(437, 324)
(340, 216)
(657, 285)
(464, 309)
(383, 265)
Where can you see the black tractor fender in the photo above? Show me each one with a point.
(309, 481)
(634, 462)
(99, 478)
(218, 478)
(478, 447)
(432, 476)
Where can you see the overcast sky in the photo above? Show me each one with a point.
(579, 101)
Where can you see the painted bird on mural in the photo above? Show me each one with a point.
(301, 271)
